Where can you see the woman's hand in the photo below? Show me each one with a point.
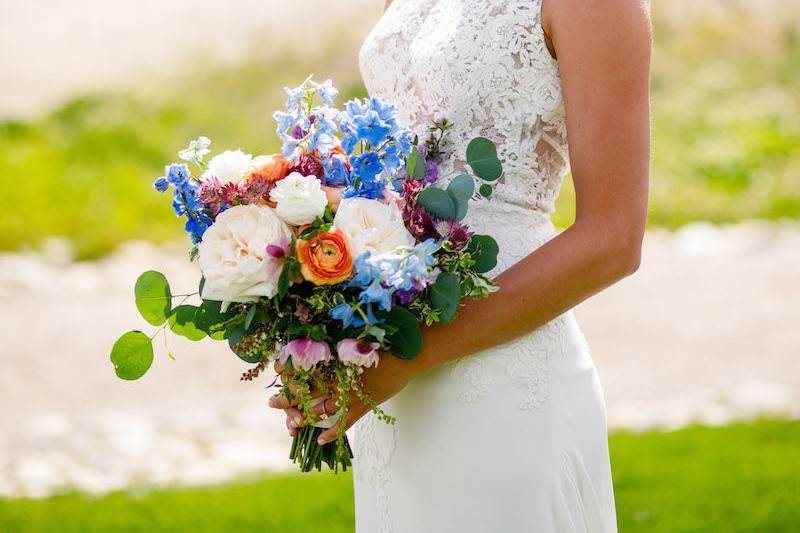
(379, 383)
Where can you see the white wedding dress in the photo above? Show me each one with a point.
(511, 439)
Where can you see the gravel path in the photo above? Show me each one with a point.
(706, 331)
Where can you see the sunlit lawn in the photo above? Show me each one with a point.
(726, 134)
(735, 479)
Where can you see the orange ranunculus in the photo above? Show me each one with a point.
(273, 169)
(325, 259)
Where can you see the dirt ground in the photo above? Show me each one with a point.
(705, 331)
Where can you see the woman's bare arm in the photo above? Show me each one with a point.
(603, 48)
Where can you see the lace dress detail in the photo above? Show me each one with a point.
(487, 434)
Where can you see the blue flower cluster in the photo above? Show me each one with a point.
(185, 199)
(405, 271)
(375, 142)
(304, 128)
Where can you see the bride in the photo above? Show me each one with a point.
(501, 420)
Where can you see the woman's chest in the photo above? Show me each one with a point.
(451, 51)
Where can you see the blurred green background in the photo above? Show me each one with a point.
(726, 147)
(725, 125)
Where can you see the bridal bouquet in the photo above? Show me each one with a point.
(326, 257)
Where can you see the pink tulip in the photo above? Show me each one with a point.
(358, 352)
(305, 353)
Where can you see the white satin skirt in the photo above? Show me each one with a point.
(509, 440)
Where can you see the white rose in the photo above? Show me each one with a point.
(300, 199)
(233, 254)
(229, 167)
(371, 225)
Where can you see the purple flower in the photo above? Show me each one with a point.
(305, 353)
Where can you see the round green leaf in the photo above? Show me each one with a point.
(132, 355)
(406, 342)
(482, 157)
(484, 250)
(210, 319)
(438, 203)
(462, 187)
(486, 190)
(445, 296)
(153, 297)
(182, 321)
(235, 336)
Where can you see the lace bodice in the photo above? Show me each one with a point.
(484, 65)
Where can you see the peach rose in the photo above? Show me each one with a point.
(325, 259)
(269, 168)
(334, 195)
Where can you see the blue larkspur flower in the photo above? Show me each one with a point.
(161, 184)
(367, 166)
(377, 294)
(326, 91)
(343, 312)
(178, 174)
(336, 172)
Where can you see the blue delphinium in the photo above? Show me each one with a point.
(306, 127)
(384, 278)
(185, 199)
(376, 143)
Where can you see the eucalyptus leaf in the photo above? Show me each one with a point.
(482, 157)
(251, 314)
(438, 203)
(462, 187)
(153, 297)
(182, 321)
(132, 355)
(416, 165)
(485, 190)
(445, 296)
(406, 341)
(210, 319)
(484, 250)
(235, 336)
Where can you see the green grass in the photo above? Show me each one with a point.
(726, 133)
(736, 479)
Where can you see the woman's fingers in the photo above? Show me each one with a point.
(281, 401)
(353, 415)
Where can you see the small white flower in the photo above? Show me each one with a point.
(300, 199)
(371, 225)
(197, 150)
(231, 166)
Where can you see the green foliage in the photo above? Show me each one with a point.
(416, 166)
(132, 355)
(438, 203)
(445, 296)
(153, 297)
(405, 339)
(183, 321)
(482, 157)
(461, 189)
(483, 249)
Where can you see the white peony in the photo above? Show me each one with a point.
(233, 255)
(371, 225)
(231, 166)
(300, 199)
